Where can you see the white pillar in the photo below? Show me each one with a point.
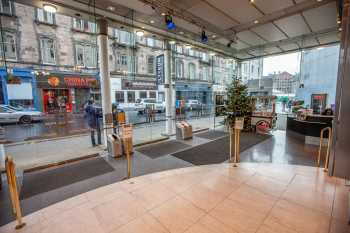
(104, 77)
(168, 91)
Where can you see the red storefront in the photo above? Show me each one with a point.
(66, 92)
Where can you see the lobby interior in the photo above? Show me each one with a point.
(170, 183)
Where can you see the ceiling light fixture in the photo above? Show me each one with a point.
(212, 54)
(213, 36)
(163, 14)
(181, 33)
(50, 8)
(251, 1)
(140, 33)
(169, 22)
(256, 21)
(188, 46)
(111, 8)
(151, 21)
(172, 42)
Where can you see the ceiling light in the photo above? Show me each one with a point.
(338, 21)
(188, 46)
(163, 14)
(340, 29)
(212, 54)
(140, 33)
(169, 22)
(172, 42)
(204, 37)
(213, 36)
(251, 1)
(111, 8)
(181, 33)
(256, 21)
(50, 8)
(151, 21)
(319, 0)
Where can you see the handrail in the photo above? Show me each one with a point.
(329, 129)
(12, 184)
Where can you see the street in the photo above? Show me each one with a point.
(61, 125)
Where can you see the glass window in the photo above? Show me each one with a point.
(152, 94)
(158, 43)
(179, 69)
(84, 26)
(192, 71)
(150, 42)
(48, 53)
(6, 7)
(150, 65)
(131, 97)
(141, 40)
(179, 49)
(204, 75)
(124, 60)
(45, 16)
(9, 45)
(119, 96)
(143, 94)
(85, 55)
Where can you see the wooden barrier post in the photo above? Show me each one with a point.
(127, 140)
(12, 184)
(239, 122)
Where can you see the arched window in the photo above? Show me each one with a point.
(192, 71)
(179, 69)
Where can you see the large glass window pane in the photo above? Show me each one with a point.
(48, 53)
(9, 46)
(6, 7)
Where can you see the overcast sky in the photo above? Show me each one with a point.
(286, 62)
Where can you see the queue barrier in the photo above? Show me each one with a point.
(326, 163)
(12, 184)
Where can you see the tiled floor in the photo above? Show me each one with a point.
(205, 199)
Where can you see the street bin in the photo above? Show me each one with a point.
(183, 131)
(114, 146)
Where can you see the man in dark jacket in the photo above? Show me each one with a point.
(93, 122)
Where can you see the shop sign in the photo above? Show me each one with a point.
(160, 69)
(66, 81)
(138, 85)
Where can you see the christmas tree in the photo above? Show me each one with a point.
(239, 104)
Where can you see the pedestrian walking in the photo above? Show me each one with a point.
(93, 115)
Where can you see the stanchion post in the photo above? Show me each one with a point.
(11, 179)
(328, 150)
(238, 144)
(127, 139)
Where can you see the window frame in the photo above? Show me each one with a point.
(13, 46)
(41, 39)
(85, 46)
(153, 65)
(11, 7)
(41, 13)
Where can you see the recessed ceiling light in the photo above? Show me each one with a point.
(163, 14)
(151, 21)
(213, 36)
(172, 42)
(50, 8)
(111, 8)
(319, 0)
(181, 33)
(340, 29)
(251, 1)
(338, 21)
(140, 33)
(256, 21)
(143, 27)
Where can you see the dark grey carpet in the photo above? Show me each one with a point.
(49, 179)
(218, 151)
(211, 134)
(163, 148)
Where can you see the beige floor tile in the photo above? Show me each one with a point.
(221, 184)
(177, 214)
(267, 185)
(153, 195)
(179, 183)
(237, 216)
(145, 224)
(121, 210)
(298, 218)
(320, 183)
(339, 226)
(341, 209)
(237, 173)
(208, 224)
(271, 226)
(253, 199)
(203, 197)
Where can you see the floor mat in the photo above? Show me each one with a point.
(218, 151)
(163, 148)
(49, 179)
(212, 134)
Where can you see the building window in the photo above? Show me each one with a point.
(9, 46)
(179, 68)
(84, 25)
(150, 42)
(204, 73)
(131, 97)
(124, 60)
(45, 16)
(150, 65)
(179, 49)
(85, 55)
(152, 94)
(143, 94)
(123, 37)
(159, 44)
(192, 71)
(6, 7)
(48, 51)
(119, 96)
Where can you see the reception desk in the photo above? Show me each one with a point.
(309, 129)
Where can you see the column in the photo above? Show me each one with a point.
(168, 91)
(102, 39)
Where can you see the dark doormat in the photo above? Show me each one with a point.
(212, 134)
(163, 148)
(218, 151)
(49, 179)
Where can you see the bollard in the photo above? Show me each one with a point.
(12, 184)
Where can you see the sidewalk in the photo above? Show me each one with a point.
(43, 152)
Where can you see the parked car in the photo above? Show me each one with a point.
(141, 105)
(9, 114)
(192, 105)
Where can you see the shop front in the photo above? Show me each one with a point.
(202, 92)
(67, 92)
(18, 87)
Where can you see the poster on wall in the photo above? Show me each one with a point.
(160, 69)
